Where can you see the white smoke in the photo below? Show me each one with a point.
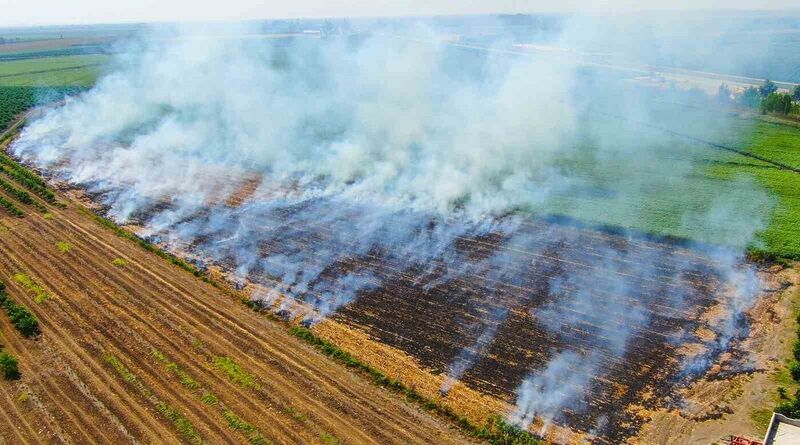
(392, 149)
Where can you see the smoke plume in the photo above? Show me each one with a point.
(395, 147)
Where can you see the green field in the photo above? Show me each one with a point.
(81, 70)
(779, 142)
(42, 79)
(663, 184)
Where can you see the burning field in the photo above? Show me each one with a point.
(475, 214)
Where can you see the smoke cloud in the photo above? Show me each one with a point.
(396, 148)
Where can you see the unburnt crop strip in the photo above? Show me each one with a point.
(496, 430)
(234, 422)
(183, 425)
(26, 178)
(39, 293)
(11, 208)
(21, 317)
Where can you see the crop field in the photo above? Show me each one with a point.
(778, 141)
(476, 249)
(116, 361)
(432, 314)
(80, 70)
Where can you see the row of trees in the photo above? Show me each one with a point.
(764, 97)
(26, 323)
(788, 405)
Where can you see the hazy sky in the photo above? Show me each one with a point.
(27, 12)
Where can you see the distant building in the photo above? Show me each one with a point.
(782, 431)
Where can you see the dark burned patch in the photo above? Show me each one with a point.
(511, 284)
(435, 324)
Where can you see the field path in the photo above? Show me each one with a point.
(168, 330)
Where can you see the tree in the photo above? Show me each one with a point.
(9, 366)
(796, 93)
(780, 103)
(767, 88)
(750, 98)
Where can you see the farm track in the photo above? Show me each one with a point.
(98, 308)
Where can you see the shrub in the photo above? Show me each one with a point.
(780, 103)
(235, 373)
(9, 366)
(790, 408)
(21, 317)
(794, 370)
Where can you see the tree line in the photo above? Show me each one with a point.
(765, 98)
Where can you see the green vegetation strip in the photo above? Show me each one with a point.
(235, 373)
(790, 405)
(11, 208)
(40, 295)
(183, 425)
(496, 431)
(21, 317)
(22, 196)
(234, 422)
(26, 178)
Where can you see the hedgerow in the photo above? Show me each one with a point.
(21, 317)
(11, 208)
(791, 406)
(26, 178)
(21, 195)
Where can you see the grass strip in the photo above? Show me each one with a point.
(40, 295)
(235, 373)
(183, 425)
(234, 422)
